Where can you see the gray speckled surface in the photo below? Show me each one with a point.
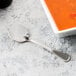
(29, 59)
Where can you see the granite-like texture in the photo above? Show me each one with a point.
(29, 59)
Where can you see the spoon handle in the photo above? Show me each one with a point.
(62, 55)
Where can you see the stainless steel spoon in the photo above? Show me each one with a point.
(22, 35)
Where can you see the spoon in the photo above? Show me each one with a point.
(21, 35)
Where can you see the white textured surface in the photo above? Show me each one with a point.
(29, 59)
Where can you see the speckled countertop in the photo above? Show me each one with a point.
(29, 59)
